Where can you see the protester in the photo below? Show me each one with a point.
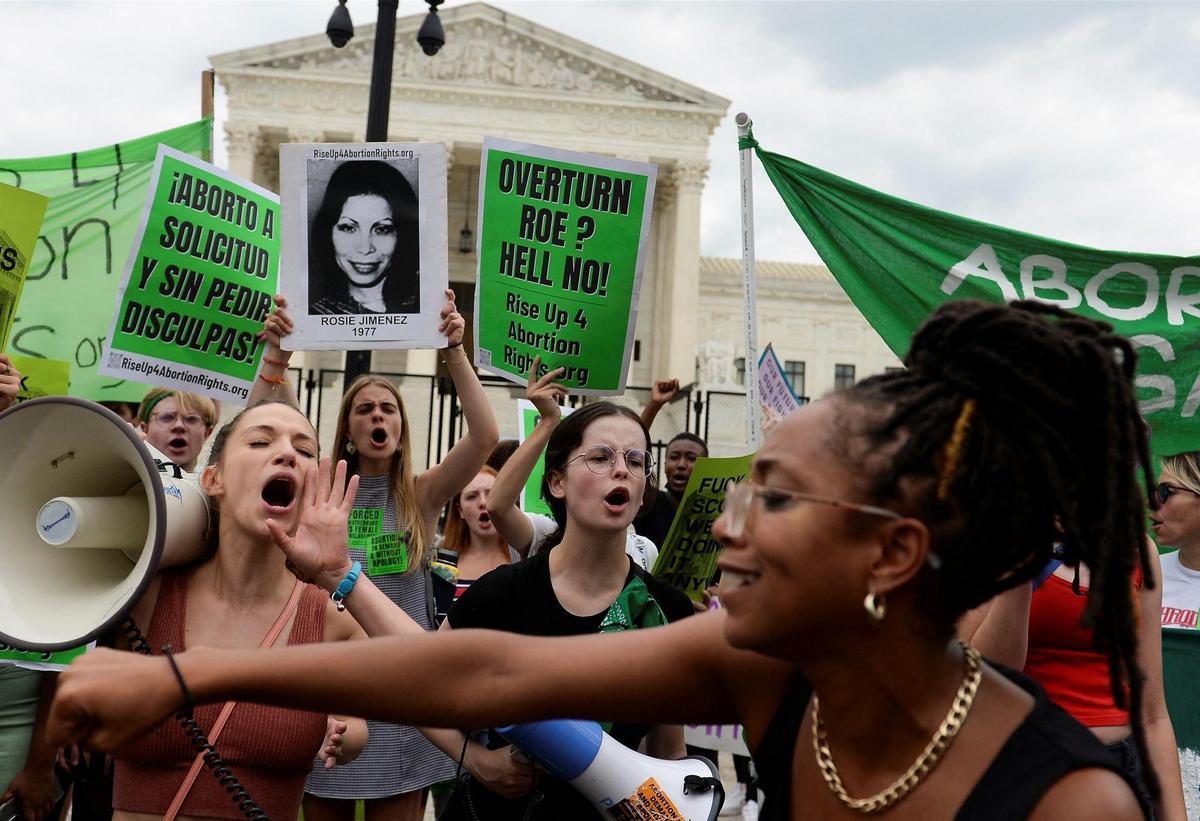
(128, 411)
(528, 533)
(500, 454)
(470, 535)
(1176, 524)
(400, 509)
(263, 465)
(365, 249)
(177, 424)
(10, 382)
(873, 520)
(658, 511)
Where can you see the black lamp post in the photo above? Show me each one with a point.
(431, 38)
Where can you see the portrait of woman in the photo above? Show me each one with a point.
(364, 242)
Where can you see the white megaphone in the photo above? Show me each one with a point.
(88, 514)
(621, 783)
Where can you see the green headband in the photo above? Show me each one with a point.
(155, 401)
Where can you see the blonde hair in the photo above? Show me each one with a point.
(1185, 467)
(456, 536)
(400, 473)
(188, 403)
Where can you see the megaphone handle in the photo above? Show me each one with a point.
(220, 770)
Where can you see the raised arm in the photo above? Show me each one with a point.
(438, 485)
(10, 382)
(999, 629)
(686, 672)
(502, 504)
(662, 392)
(272, 379)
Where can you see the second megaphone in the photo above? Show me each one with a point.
(90, 514)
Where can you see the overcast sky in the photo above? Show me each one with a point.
(1079, 121)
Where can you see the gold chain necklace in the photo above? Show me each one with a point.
(925, 762)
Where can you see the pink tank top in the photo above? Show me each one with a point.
(270, 749)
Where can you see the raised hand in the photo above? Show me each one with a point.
(10, 382)
(545, 394)
(664, 390)
(277, 325)
(319, 552)
(107, 699)
(453, 325)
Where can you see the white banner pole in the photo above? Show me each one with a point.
(753, 410)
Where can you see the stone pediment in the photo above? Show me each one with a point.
(486, 48)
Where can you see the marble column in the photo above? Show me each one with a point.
(679, 286)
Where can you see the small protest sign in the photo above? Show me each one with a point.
(531, 494)
(726, 738)
(198, 283)
(775, 392)
(688, 556)
(364, 252)
(21, 214)
(41, 377)
(37, 660)
(562, 243)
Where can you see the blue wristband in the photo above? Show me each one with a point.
(345, 586)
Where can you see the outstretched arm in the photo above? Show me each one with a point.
(512, 525)
(438, 485)
(686, 672)
(272, 379)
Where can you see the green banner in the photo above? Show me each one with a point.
(562, 242)
(1181, 672)
(898, 261)
(688, 556)
(96, 200)
(199, 282)
(42, 377)
(21, 214)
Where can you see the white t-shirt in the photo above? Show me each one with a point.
(639, 548)
(1181, 593)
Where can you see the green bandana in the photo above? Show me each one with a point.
(634, 608)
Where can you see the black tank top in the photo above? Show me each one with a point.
(1044, 748)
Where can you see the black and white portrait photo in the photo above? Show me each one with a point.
(364, 259)
(364, 238)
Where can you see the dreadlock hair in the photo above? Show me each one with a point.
(1038, 403)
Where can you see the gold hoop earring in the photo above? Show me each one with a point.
(350, 448)
(876, 607)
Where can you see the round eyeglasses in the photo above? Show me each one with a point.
(168, 418)
(739, 498)
(600, 459)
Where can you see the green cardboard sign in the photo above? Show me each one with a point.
(34, 660)
(199, 282)
(688, 556)
(562, 243)
(96, 200)
(531, 494)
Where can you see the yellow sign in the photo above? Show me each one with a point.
(41, 377)
(21, 214)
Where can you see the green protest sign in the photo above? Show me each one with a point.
(42, 377)
(898, 261)
(688, 556)
(36, 660)
(531, 494)
(96, 200)
(198, 283)
(21, 214)
(562, 243)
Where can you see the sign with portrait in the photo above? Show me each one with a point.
(364, 244)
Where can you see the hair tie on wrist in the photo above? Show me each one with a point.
(280, 362)
(188, 701)
(275, 380)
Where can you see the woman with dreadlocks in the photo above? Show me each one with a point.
(873, 519)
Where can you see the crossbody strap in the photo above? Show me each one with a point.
(227, 710)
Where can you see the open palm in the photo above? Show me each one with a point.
(319, 552)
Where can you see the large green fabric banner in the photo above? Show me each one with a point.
(898, 261)
(96, 200)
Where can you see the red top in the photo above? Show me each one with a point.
(270, 749)
(1063, 659)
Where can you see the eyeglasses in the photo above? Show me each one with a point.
(738, 500)
(601, 458)
(168, 418)
(1165, 490)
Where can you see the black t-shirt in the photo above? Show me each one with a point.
(654, 521)
(519, 598)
